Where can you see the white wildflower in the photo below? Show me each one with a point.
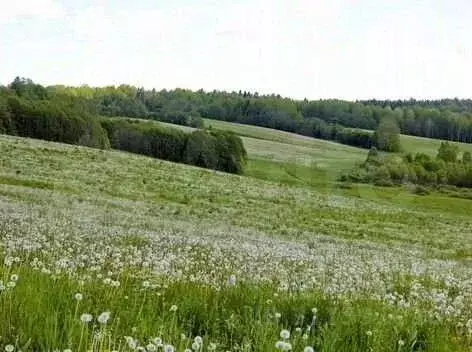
(78, 296)
(285, 334)
(86, 318)
(103, 318)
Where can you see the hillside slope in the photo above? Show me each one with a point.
(156, 251)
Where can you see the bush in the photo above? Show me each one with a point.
(49, 121)
(216, 150)
(421, 190)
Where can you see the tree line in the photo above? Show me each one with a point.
(447, 119)
(30, 110)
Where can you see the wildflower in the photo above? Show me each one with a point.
(132, 343)
(173, 308)
(198, 340)
(285, 334)
(308, 349)
(103, 318)
(78, 297)
(287, 346)
(283, 346)
(151, 348)
(157, 341)
(86, 318)
(9, 348)
(169, 348)
(279, 345)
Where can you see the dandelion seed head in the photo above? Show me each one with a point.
(86, 318)
(285, 334)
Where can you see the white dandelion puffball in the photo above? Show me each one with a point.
(278, 315)
(287, 346)
(151, 347)
(198, 340)
(195, 346)
(9, 348)
(67, 350)
(285, 334)
(86, 318)
(103, 318)
(78, 296)
(308, 349)
(173, 308)
(169, 348)
(157, 341)
(14, 277)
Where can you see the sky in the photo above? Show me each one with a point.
(346, 49)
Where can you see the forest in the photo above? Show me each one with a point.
(341, 121)
(30, 110)
(78, 115)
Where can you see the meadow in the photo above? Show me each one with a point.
(110, 251)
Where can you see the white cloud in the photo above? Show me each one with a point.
(12, 11)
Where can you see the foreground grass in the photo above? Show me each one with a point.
(46, 312)
(171, 250)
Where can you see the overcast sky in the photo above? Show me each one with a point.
(349, 49)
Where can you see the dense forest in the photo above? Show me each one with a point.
(342, 121)
(30, 110)
(446, 119)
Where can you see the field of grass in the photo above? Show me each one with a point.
(427, 145)
(108, 251)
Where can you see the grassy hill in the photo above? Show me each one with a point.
(169, 250)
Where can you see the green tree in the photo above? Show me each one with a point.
(467, 158)
(448, 152)
(387, 136)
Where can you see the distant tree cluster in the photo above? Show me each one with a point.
(30, 110)
(52, 120)
(216, 150)
(449, 167)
